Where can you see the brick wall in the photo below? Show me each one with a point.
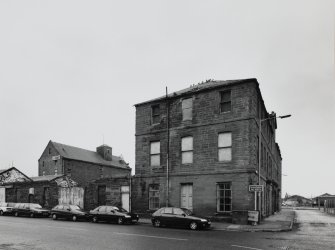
(46, 164)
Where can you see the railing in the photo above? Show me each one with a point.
(329, 206)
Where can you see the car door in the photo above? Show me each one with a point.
(101, 213)
(67, 212)
(59, 211)
(167, 217)
(179, 217)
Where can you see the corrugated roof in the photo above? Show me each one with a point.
(80, 154)
(200, 87)
(45, 177)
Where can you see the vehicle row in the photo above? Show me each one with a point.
(165, 216)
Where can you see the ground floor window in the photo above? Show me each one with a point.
(224, 197)
(153, 197)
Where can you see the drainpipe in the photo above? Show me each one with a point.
(167, 148)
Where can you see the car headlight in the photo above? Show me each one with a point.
(203, 220)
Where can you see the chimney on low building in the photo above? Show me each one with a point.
(105, 151)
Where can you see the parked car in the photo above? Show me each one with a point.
(6, 208)
(66, 211)
(113, 214)
(178, 217)
(30, 209)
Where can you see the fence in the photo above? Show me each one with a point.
(329, 206)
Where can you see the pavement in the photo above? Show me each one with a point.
(279, 222)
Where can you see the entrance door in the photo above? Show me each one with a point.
(125, 197)
(186, 196)
(101, 195)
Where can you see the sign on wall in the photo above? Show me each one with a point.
(256, 188)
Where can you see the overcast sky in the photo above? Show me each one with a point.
(71, 71)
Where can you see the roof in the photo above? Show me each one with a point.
(45, 177)
(3, 170)
(80, 154)
(209, 84)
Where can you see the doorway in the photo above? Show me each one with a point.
(187, 196)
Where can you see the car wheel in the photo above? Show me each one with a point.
(193, 225)
(157, 223)
(16, 214)
(31, 215)
(120, 220)
(54, 217)
(74, 218)
(94, 219)
(1, 212)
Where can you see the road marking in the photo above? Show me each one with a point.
(151, 236)
(246, 247)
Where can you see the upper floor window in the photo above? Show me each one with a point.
(187, 150)
(225, 102)
(49, 149)
(155, 150)
(155, 114)
(56, 171)
(186, 107)
(224, 146)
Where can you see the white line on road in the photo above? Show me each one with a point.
(151, 236)
(246, 247)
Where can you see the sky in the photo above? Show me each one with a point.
(71, 71)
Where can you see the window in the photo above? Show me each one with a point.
(155, 113)
(224, 197)
(49, 151)
(155, 149)
(224, 146)
(225, 103)
(43, 173)
(187, 150)
(153, 197)
(56, 171)
(168, 210)
(186, 107)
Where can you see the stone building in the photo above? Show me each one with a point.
(70, 175)
(203, 142)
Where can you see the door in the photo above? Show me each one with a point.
(125, 197)
(101, 195)
(187, 196)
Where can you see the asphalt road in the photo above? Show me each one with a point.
(44, 233)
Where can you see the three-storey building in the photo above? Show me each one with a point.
(198, 148)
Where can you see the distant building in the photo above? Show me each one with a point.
(80, 164)
(203, 141)
(297, 200)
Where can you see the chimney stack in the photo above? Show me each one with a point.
(105, 152)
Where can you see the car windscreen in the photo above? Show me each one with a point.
(186, 211)
(35, 206)
(120, 209)
(74, 207)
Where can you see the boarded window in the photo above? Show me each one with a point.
(224, 197)
(224, 146)
(187, 150)
(153, 197)
(186, 107)
(225, 103)
(155, 113)
(155, 149)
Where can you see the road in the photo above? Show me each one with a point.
(44, 233)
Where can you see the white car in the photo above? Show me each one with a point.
(6, 208)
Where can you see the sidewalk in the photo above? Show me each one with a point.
(279, 222)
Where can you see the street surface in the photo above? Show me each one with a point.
(314, 230)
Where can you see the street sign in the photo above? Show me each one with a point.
(253, 216)
(255, 188)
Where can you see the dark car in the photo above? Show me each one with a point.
(72, 212)
(113, 214)
(30, 209)
(178, 217)
(6, 208)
